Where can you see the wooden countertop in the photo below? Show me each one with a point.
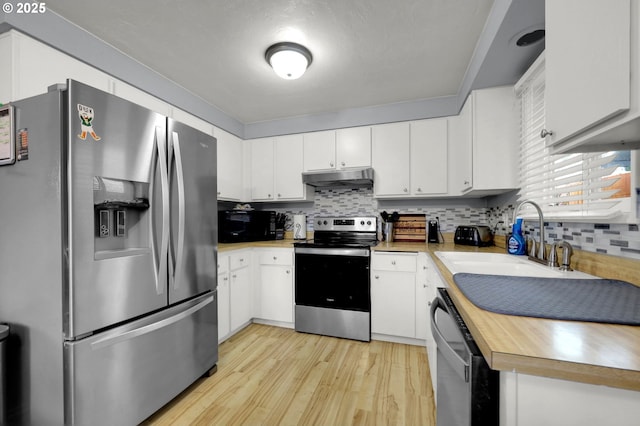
(288, 243)
(602, 354)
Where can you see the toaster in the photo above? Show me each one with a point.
(473, 235)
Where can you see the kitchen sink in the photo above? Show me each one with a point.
(502, 264)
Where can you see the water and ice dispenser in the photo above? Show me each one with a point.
(121, 214)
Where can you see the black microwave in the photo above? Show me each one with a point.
(236, 226)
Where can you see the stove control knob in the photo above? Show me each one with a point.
(319, 222)
(362, 222)
(368, 222)
(325, 222)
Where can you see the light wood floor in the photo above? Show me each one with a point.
(276, 376)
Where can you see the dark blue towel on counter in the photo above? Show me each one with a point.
(598, 300)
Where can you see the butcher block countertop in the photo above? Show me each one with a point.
(601, 354)
(287, 243)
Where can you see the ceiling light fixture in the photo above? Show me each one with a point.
(288, 60)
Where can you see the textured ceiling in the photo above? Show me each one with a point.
(366, 52)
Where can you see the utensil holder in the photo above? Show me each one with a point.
(388, 232)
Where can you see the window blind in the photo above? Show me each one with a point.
(590, 185)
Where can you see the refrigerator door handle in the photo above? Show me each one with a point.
(160, 257)
(177, 155)
(148, 328)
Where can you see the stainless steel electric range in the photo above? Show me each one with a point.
(332, 280)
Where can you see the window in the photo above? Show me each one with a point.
(595, 185)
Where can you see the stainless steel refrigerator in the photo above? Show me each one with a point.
(108, 251)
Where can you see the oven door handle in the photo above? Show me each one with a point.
(459, 365)
(358, 252)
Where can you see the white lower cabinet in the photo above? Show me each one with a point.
(240, 289)
(423, 299)
(433, 281)
(275, 285)
(393, 294)
(224, 319)
(527, 400)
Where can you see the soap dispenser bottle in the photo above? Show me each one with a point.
(516, 243)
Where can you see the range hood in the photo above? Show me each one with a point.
(352, 178)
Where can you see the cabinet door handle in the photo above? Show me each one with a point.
(288, 272)
(275, 257)
(544, 133)
(419, 189)
(218, 192)
(279, 195)
(343, 164)
(234, 276)
(466, 182)
(268, 195)
(405, 190)
(377, 277)
(393, 262)
(330, 163)
(241, 260)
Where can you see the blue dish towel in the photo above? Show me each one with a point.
(598, 300)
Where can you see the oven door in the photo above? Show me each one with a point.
(336, 278)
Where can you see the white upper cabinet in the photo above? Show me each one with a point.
(230, 166)
(353, 147)
(484, 140)
(410, 159)
(276, 169)
(496, 140)
(135, 95)
(262, 169)
(592, 56)
(319, 151)
(390, 155)
(337, 149)
(289, 164)
(461, 151)
(429, 142)
(37, 66)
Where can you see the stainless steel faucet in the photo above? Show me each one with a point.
(541, 248)
(567, 251)
(553, 256)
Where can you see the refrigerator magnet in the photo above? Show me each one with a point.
(86, 115)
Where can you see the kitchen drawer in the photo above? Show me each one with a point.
(405, 262)
(239, 260)
(272, 257)
(223, 264)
